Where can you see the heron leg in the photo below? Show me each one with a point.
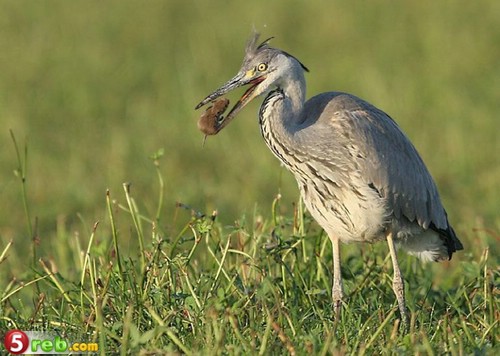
(398, 283)
(337, 292)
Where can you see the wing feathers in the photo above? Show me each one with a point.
(387, 159)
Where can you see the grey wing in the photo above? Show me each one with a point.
(389, 162)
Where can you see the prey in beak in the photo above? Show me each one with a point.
(212, 120)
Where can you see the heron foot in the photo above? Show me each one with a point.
(337, 297)
(398, 285)
(398, 288)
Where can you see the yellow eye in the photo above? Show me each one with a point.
(262, 67)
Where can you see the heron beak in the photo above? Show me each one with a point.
(239, 80)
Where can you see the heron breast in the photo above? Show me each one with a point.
(353, 213)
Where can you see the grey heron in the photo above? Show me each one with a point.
(359, 176)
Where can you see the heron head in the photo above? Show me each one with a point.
(264, 68)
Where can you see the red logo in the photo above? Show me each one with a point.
(16, 342)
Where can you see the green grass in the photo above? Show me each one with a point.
(91, 91)
(261, 285)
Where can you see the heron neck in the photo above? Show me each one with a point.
(280, 117)
(282, 107)
(295, 94)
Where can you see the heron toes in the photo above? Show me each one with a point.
(399, 288)
(405, 321)
(405, 315)
(337, 297)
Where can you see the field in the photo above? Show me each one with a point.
(120, 228)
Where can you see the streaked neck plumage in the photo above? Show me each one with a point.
(280, 114)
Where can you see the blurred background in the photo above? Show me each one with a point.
(93, 89)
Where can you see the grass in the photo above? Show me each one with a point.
(259, 286)
(89, 91)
